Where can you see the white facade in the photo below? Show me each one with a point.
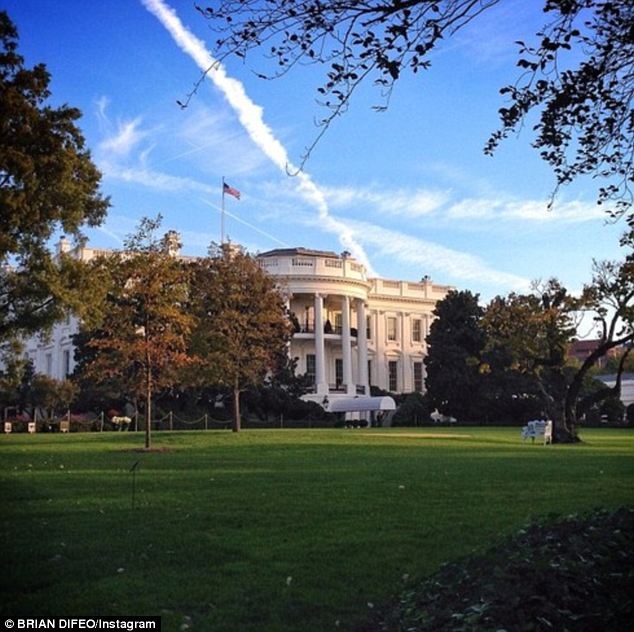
(352, 331)
(54, 354)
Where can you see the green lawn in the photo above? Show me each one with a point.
(274, 529)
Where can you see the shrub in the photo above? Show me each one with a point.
(566, 574)
(413, 411)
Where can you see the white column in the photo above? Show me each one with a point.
(320, 347)
(362, 346)
(405, 343)
(287, 305)
(346, 346)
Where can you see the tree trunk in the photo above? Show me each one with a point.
(236, 409)
(148, 408)
(564, 427)
(572, 394)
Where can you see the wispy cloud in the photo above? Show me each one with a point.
(489, 40)
(111, 234)
(446, 205)
(120, 138)
(407, 203)
(126, 137)
(154, 179)
(101, 106)
(216, 143)
(251, 118)
(431, 257)
(505, 208)
(124, 155)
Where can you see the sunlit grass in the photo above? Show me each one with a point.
(274, 530)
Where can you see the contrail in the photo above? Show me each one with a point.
(242, 221)
(250, 116)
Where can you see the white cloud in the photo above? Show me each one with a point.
(417, 203)
(505, 208)
(153, 179)
(428, 256)
(407, 203)
(111, 234)
(126, 137)
(489, 39)
(216, 143)
(101, 105)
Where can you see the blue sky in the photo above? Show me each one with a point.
(408, 191)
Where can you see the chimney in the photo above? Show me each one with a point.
(172, 242)
(63, 246)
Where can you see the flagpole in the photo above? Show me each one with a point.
(222, 214)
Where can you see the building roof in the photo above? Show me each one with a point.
(359, 404)
(292, 252)
(583, 346)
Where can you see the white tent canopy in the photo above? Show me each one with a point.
(359, 404)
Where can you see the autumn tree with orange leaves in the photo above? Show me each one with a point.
(142, 340)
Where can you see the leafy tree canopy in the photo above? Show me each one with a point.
(585, 124)
(142, 340)
(47, 182)
(456, 341)
(242, 326)
(511, 358)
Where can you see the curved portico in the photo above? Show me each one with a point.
(326, 296)
(352, 331)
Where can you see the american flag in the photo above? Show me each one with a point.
(230, 190)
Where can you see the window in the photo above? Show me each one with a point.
(417, 330)
(391, 328)
(338, 372)
(369, 372)
(308, 326)
(338, 323)
(66, 362)
(49, 364)
(310, 366)
(392, 367)
(418, 377)
(368, 328)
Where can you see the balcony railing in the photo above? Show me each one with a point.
(309, 328)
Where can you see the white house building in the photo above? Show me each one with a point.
(53, 354)
(351, 331)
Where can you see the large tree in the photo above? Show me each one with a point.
(609, 298)
(47, 183)
(456, 341)
(242, 325)
(15, 370)
(536, 330)
(142, 339)
(511, 358)
(585, 123)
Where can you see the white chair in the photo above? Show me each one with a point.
(548, 432)
(538, 428)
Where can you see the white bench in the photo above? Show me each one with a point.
(537, 429)
(122, 423)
